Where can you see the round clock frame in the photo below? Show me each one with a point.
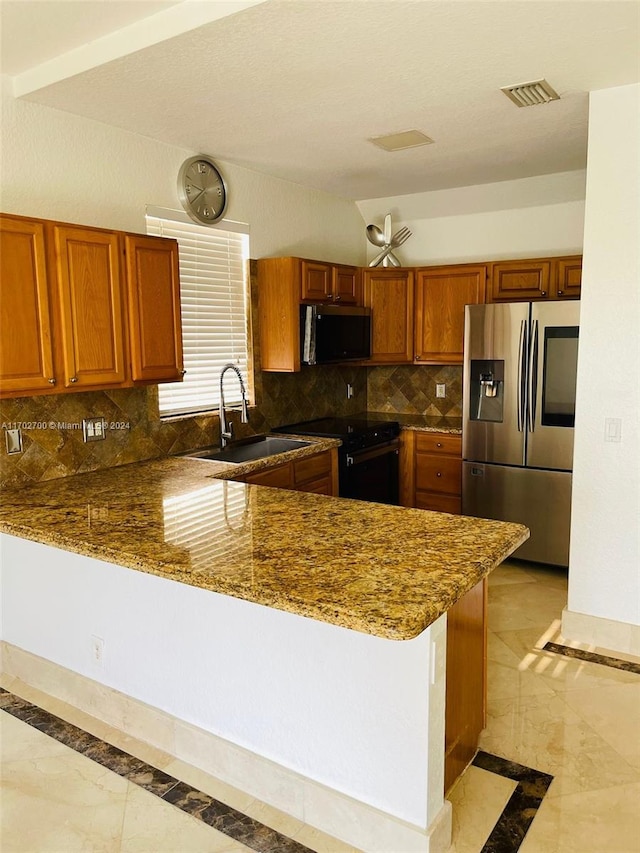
(202, 189)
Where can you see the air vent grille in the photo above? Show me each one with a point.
(531, 94)
(402, 140)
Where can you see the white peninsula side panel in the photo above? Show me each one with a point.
(343, 729)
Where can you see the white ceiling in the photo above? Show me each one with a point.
(295, 88)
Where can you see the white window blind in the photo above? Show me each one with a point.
(213, 289)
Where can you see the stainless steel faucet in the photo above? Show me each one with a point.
(226, 429)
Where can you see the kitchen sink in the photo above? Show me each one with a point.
(256, 447)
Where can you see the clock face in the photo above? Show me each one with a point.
(202, 190)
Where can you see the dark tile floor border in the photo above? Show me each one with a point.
(238, 826)
(592, 657)
(532, 785)
(506, 836)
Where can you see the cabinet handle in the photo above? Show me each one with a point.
(51, 381)
(73, 379)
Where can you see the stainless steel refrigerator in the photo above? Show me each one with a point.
(519, 387)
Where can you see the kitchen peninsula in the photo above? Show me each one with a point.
(257, 635)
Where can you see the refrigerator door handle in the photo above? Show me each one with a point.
(522, 364)
(533, 375)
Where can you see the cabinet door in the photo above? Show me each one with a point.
(317, 282)
(441, 294)
(155, 324)
(568, 277)
(346, 285)
(389, 294)
(278, 478)
(89, 287)
(26, 348)
(520, 281)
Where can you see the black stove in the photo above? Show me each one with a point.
(356, 431)
(368, 457)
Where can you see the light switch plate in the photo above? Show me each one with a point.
(613, 429)
(13, 440)
(441, 390)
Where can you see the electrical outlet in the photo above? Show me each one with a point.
(441, 390)
(93, 429)
(349, 390)
(97, 650)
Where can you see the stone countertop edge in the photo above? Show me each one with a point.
(331, 559)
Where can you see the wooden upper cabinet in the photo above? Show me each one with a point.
(347, 285)
(279, 314)
(441, 295)
(320, 282)
(26, 341)
(389, 294)
(568, 277)
(91, 302)
(316, 282)
(520, 281)
(536, 279)
(155, 323)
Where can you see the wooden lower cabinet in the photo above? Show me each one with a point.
(317, 474)
(466, 689)
(431, 471)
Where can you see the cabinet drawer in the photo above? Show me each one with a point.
(311, 468)
(439, 503)
(438, 474)
(279, 478)
(437, 442)
(321, 486)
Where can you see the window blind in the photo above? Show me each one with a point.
(213, 290)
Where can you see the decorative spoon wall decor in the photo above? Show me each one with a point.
(384, 239)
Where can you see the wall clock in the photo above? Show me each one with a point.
(202, 190)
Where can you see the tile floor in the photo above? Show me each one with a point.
(574, 719)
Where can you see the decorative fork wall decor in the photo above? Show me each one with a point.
(383, 238)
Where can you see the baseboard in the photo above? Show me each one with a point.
(335, 813)
(605, 633)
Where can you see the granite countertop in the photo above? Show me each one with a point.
(383, 570)
(422, 423)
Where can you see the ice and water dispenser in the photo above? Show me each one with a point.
(486, 390)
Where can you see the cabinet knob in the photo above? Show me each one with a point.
(337, 298)
(438, 444)
(543, 293)
(73, 379)
(439, 474)
(51, 381)
(560, 293)
(182, 372)
(417, 357)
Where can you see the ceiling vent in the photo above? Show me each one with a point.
(400, 141)
(530, 94)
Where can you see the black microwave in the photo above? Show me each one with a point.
(334, 333)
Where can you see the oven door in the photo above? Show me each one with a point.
(371, 474)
